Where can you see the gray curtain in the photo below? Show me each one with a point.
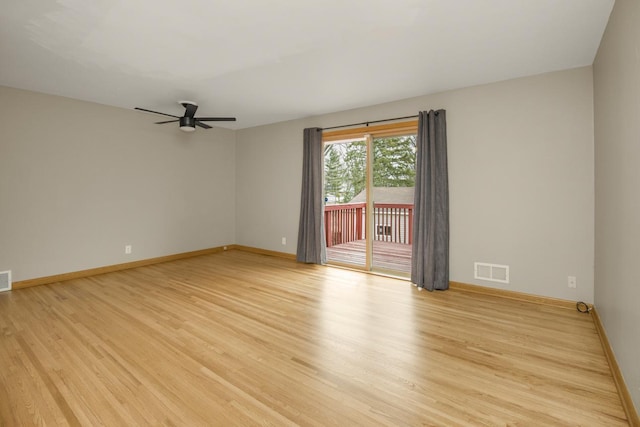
(430, 251)
(311, 241)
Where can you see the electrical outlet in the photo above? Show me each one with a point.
(572, 282)
(127, 249)
(284, 240)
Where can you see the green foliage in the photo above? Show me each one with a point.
(344, 171)
(345, 166)
(334, 172)
(355, 159)
(394, 162)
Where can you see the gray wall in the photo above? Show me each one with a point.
(79, 181)
(617, 171)
(521, 179)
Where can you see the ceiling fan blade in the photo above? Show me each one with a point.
(216, 119)
(156, 112)
(168, 121)
(190, 109)
(202, 125)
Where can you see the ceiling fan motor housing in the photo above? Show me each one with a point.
(187, 124)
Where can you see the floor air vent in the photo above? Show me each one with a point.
(491, 272)
(5, 281)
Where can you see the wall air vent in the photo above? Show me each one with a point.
(5, 281)
(491, 272)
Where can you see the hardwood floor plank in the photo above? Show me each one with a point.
(237, 338)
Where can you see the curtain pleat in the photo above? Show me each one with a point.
(430, 251)
(311, 240)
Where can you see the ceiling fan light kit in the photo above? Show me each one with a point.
(188, 121)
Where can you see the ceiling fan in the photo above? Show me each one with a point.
(188, 122)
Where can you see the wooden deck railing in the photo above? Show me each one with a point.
(393, 222)
(346, 223)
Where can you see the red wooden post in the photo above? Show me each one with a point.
(327, 228)
(364, 223)
(340, 232)
(410, 225)
(349, 213)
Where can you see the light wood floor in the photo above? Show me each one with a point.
(244, 339)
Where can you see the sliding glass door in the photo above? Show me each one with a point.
(368, 185)
(345, 174)
(393, 176)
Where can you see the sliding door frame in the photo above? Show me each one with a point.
(369, 219)
(369, 133)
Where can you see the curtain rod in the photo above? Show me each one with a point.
(374, 121)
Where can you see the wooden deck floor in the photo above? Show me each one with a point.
(239, 339)
(386, 255)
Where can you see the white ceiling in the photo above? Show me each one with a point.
(269, 61)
